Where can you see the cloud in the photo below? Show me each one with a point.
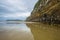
(21, 16)
(13, 5)
(16, 15)
(16, 8)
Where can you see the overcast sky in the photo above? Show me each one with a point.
(16, 9)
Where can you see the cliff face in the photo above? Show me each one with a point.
(46, 10)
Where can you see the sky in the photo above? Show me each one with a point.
(16, 9)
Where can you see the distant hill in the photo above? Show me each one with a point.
(14, 20)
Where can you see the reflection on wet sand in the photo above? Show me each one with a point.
(15, 32)
(15, 35)
(45, 32)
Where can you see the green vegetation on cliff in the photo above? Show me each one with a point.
(37, 4)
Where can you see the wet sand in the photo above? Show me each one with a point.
(15, 32)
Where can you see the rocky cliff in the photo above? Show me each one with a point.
(46, 11)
